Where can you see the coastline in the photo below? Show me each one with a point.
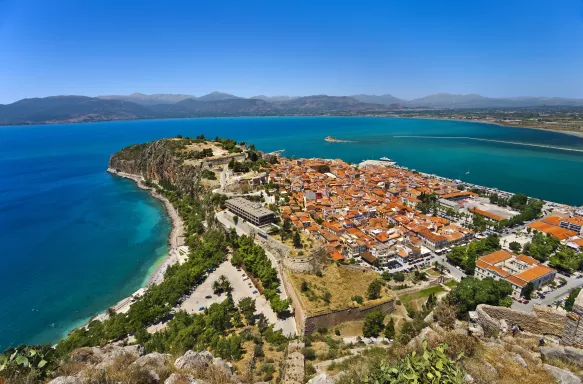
(175, 240)
(176, 236)
(564, 131)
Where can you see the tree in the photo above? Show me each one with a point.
(235, 219)
(571, 299)
(374, 290)
(304, 286)
(297, 240)
(247, 308)
(515, 246)
(527, 290)
(471, 292)
(386, 276)
(358, 299)
(390, 329)
(399, 277)
(494, 198)
(373, 324)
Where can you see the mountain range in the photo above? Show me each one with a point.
(67, 109)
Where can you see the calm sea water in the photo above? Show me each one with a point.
(75, 240)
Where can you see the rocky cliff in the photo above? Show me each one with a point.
(158, 161)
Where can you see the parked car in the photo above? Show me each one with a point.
(208, 297)
(201, 308)
(255, 291)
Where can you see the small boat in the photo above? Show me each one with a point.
(384, 159)
(468, 172)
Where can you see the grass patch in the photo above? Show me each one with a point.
(424, 293)
(341, 283)
(451, 283)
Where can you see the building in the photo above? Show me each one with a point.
(517, 270)
(573, 224)
(445, 204)
(254, 213)
(432, 240)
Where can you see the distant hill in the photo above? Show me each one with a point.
(215, 96)
(447, 100)
(68, 109)
(274, 99)
(324, 103)
(381, 99)
(226, 107)
(140, 98)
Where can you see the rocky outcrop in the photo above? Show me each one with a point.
(193, 367)
(571, 354)
(562, 375)
(194, 360)
(157, 161)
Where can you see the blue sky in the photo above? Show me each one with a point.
(405, 48)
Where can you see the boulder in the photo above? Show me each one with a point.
(194, 360)
(66, 380)
(468, 378)
(181, 378)
(152, 360)
(562, 375)
(553, 352)
(519, 359)
(224, 365)
(575, 355)
(111, 353)
(476, 330)
(322, 378)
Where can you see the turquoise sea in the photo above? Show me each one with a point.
(75, 240)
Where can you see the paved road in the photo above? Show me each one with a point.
(550, 298)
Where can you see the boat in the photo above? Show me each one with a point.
(384, 159)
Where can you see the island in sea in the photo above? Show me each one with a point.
(332, 139)
(276, 262)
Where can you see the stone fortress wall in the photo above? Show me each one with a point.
(567, 326)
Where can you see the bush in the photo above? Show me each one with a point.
(309, 353)
(358, 299)
(258, 350)
(399, 277)
(430, 366)
(374, 290)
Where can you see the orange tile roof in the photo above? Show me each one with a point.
(337, 256)
(459, 194)
(557, 232)
(487, 214)
(527, 259)
(534, 273)
(579, 242)
(496, 257)
(516, 281)
(574, 220)
(552, 220)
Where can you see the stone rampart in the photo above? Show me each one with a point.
(541, 320)
(331, 319)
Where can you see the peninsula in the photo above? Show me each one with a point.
(266, 249)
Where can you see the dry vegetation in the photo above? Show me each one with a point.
(342, 283)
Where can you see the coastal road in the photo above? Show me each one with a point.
(553, 296)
